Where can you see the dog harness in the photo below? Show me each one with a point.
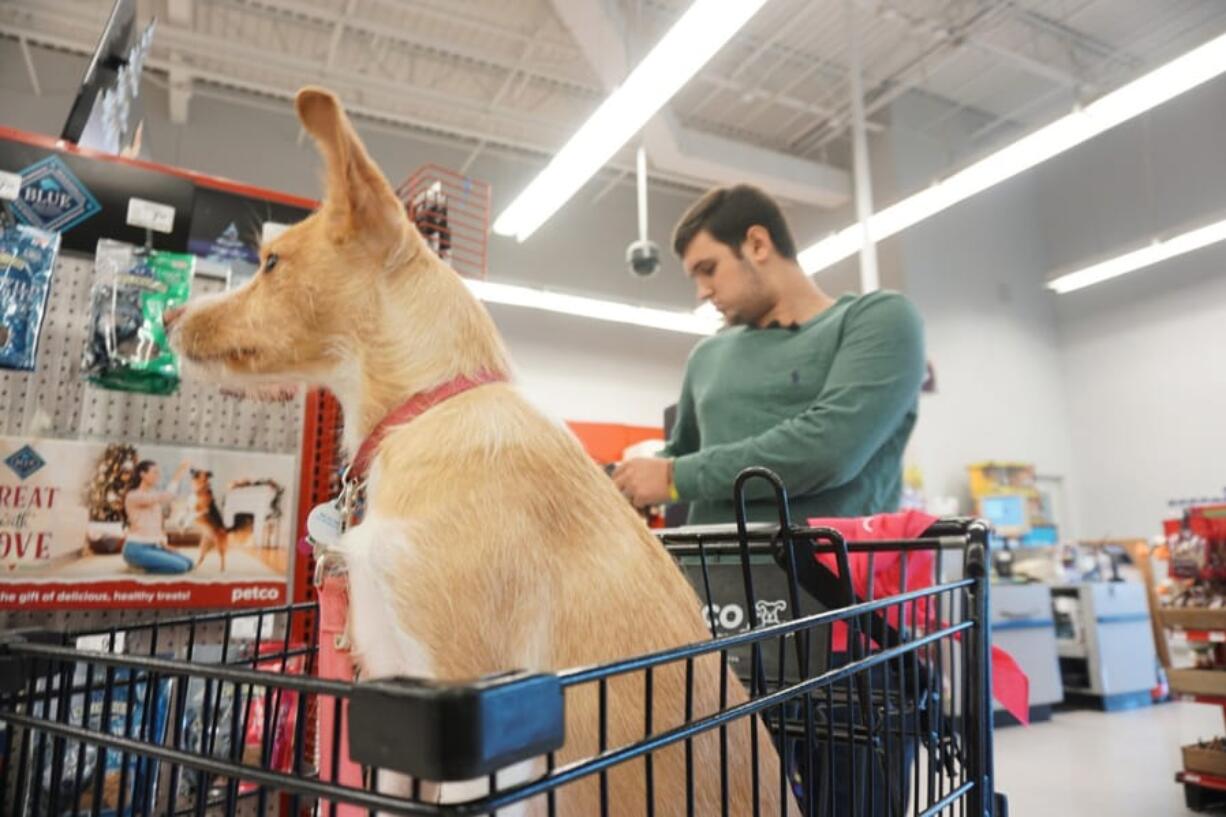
(326, 525)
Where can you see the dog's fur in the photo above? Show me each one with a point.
(492, 541)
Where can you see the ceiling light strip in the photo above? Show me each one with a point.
(596, 308)
(1158, 86)
(701, 31)
(1147, 256)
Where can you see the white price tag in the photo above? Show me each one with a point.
(10, 185)
(271, 230)
(101, 643)
(151, 215)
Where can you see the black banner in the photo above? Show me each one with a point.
(86, 199)
(226, 227)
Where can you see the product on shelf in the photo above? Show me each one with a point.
(127, 348)
(27, 257)
(210, 720)
(125, 778)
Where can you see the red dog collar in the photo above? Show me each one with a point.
(410, 410)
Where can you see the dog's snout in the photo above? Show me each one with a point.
(171, 315)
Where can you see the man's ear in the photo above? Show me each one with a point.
(357, 197)
(758, 244)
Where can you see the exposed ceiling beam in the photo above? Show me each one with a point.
(29, 61)
(328, 20)
(900, 82)
(1074, 37)
(338, 32)
(938, 30)
(252, 91)
(181, 12)
(179, 90)
(202, 50)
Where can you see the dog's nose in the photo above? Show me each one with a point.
(171, 315)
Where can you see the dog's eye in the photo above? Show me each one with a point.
(270, 262)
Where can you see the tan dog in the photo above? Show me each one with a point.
(492, 541)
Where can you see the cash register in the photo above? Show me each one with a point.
(1021, 612)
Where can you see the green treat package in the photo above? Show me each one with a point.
(127, 348)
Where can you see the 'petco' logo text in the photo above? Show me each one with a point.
(254, 594)
(731, 617)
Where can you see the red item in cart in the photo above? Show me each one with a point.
(285, 712)
(1010, 685)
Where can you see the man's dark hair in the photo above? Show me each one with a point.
(727, 213)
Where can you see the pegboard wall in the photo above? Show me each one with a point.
(55, 401)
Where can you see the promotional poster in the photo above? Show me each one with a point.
(93, 524)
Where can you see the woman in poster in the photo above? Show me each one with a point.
(145, 548)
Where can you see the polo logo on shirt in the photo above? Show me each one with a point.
(795, 377)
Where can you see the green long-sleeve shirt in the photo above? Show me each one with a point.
(828, 406)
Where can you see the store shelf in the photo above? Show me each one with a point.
(1208, 683)
(1206, 636)
(1191, 697)
(1205, 781)
(1201, 620)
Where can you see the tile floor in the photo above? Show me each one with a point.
(1093, 763)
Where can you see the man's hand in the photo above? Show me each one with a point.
(644, 480)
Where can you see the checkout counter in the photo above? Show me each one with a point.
(1023, 624)
(1106, 644)
(1086, 642)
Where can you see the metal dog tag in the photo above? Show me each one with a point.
(325, 525)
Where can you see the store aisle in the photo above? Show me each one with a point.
(1084, 762)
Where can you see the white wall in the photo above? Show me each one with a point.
(975, 273)
(586, 371)
(1146, 370)
(1144, 359)
(628, 374)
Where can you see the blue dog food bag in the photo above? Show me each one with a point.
(27, 257)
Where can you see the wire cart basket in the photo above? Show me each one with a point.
(872, 706)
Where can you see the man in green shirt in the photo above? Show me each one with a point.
(823, 391)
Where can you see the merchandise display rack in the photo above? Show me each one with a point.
(1204, 775)
(55, 401)
(452, 212)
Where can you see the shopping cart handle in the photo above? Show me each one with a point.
(17, 669)
(443, 731)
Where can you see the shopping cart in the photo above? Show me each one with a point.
(218, 714)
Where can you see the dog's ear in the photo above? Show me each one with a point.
(358, 199)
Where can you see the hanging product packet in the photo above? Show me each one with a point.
(127, 348)
(27, 258)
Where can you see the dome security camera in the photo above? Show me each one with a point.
(643, 258)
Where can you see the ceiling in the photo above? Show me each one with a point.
(509, 75)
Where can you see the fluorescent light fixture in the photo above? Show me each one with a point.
(1167, 82)
(1147, 256)
(703, 30)
(671, 320)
